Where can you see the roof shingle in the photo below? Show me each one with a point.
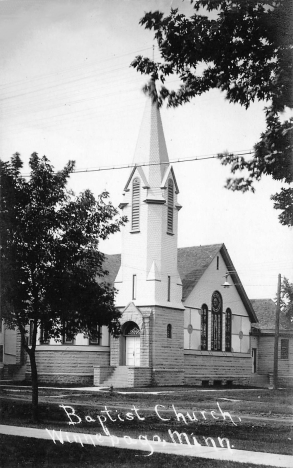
(265, 310)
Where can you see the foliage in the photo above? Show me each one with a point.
(287, 298)
(51, 268)
(243, 48)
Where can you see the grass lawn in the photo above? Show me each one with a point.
(262, 427)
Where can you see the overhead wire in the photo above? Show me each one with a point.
(69, 69)
(144, 164)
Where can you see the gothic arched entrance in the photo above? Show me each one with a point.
(131, 334)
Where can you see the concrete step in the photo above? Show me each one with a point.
(118, 378)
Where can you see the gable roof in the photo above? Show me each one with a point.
(265, 310)
(111, 264)
(192, 263)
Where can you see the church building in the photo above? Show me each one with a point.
(182, 323)
(179, 324)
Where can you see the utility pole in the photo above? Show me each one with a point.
(275, 384)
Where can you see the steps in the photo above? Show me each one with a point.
(120, 377)
(127, 377)
(13, 372)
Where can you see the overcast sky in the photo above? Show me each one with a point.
(67, 91)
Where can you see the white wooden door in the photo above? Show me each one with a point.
(133, 351)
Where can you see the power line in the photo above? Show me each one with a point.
(143, 164)
(68, 69)
(126, 166)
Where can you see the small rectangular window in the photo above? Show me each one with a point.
(44, 339)
(284, 349)
(67, 337)
(30, 340)
(94, 339)
(134, 287)
(218, 262)
(254, 360)
(169, 288)
(1, 353)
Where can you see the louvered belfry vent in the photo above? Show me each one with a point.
(135, 204)
(170, 205)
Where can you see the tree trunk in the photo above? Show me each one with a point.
(35, 389)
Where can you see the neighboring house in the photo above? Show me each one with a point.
(263, 337)
(179, 324)
(12, 356)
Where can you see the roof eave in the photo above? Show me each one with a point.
(238, 285)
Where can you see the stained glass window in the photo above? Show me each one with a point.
(204, 327)
(228, 330)
(216, 342)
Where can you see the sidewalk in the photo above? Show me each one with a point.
(224, 454)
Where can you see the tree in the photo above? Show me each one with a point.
(51, 268)
(243, 48)
(287, 299)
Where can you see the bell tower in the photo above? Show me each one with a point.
(148, 275)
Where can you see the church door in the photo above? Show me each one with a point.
(132, 344)
(133, 351)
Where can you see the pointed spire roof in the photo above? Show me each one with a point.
(151, 146)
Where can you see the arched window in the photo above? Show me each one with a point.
(228, 330)
(169, 330)
(131, 329)
(204, 327)
(170, 206)
(216, 344)
(135, 204)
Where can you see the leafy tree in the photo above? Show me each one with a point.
(243, 48)
(287, 298)
(51, 268)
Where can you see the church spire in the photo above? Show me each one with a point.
(151, 146)
(148, 273)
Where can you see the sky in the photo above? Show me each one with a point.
(67, 91)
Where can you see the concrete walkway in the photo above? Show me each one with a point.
(151, 446)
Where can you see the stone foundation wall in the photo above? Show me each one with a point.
(167, 377)
(64, 364)
(211, 367)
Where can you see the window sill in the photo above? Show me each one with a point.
(216, 353)
(170, 233)
(134, 232)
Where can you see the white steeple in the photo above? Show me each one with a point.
(148, 274)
